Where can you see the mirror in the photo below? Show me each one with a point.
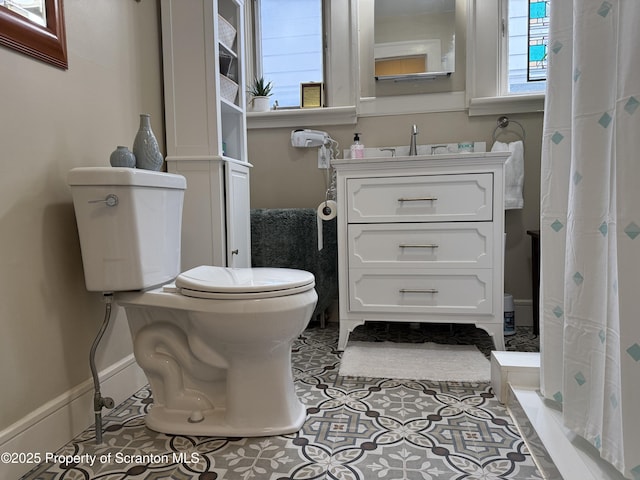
(34, 10)
(414, 38)
(35, 28)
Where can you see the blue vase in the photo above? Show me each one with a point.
(145, 146)
(122, 157)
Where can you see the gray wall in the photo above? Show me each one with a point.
(52, 120)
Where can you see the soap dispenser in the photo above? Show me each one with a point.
(357, 149)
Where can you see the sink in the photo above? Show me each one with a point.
(429, 149)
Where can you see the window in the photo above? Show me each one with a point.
(506, 56)
(337, 64)
(527, 46)
(289, 46)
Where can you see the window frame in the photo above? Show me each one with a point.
(257, 60)
(340, 87)
(486, 89)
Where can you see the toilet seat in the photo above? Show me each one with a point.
(243, 283)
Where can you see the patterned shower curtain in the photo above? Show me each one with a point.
(590, 225)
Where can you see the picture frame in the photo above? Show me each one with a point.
(46, 43)
(312, 95)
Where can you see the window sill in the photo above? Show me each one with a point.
(307, 117)
(412, 103)
(506, 104)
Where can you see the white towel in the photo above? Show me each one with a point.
(513, 173)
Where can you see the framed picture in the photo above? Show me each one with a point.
(311, 95)
(38, 31)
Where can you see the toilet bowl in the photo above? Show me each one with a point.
(216, 349)
(214, 342)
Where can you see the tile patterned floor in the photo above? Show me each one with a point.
(357, 428)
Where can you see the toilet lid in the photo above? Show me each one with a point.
(220, 282)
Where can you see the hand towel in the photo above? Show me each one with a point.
(513, 173)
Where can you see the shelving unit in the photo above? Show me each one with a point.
(204, 89)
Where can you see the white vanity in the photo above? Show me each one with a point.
(420, 239)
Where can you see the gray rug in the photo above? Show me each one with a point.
(415, 361)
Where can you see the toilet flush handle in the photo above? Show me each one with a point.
(110, 200)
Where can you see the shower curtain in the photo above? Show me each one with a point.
(590, 225)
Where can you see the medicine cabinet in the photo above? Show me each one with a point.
(414, 38)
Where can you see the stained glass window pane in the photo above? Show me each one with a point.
(538, 39)
(528, 37)
(537, 9)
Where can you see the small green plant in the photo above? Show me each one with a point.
(261, 89)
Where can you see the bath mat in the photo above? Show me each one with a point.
(415, 361)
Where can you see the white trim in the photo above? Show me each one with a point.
(483, 44)
(368, 107)
(486, 64)
(507, 104)
(302, 117)
(58, 421)
(206, 158)
(407, 104)
(396, 105)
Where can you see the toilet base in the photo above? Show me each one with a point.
(213, 423)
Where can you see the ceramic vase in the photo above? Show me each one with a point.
(122, 157)
(145, 146)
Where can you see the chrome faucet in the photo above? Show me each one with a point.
(413, 150)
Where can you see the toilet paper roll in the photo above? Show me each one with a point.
(326, 211)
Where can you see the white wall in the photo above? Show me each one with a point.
(52, 120)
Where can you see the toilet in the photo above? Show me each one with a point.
(214, 342)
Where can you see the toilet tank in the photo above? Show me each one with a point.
(129, 223)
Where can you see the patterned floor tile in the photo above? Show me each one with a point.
(356, 428)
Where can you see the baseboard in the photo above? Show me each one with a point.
(58, 421)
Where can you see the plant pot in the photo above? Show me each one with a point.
(260, 104)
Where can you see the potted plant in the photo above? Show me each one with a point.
(260, 90)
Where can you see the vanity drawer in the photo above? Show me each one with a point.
(442, 291)
(429, 198)
(420, 245)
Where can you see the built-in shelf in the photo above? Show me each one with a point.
(206, 127)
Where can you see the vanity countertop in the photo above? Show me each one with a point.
(467, 158)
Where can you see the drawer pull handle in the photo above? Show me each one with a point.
(412, 290)
(419, 245)
(418, 199)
